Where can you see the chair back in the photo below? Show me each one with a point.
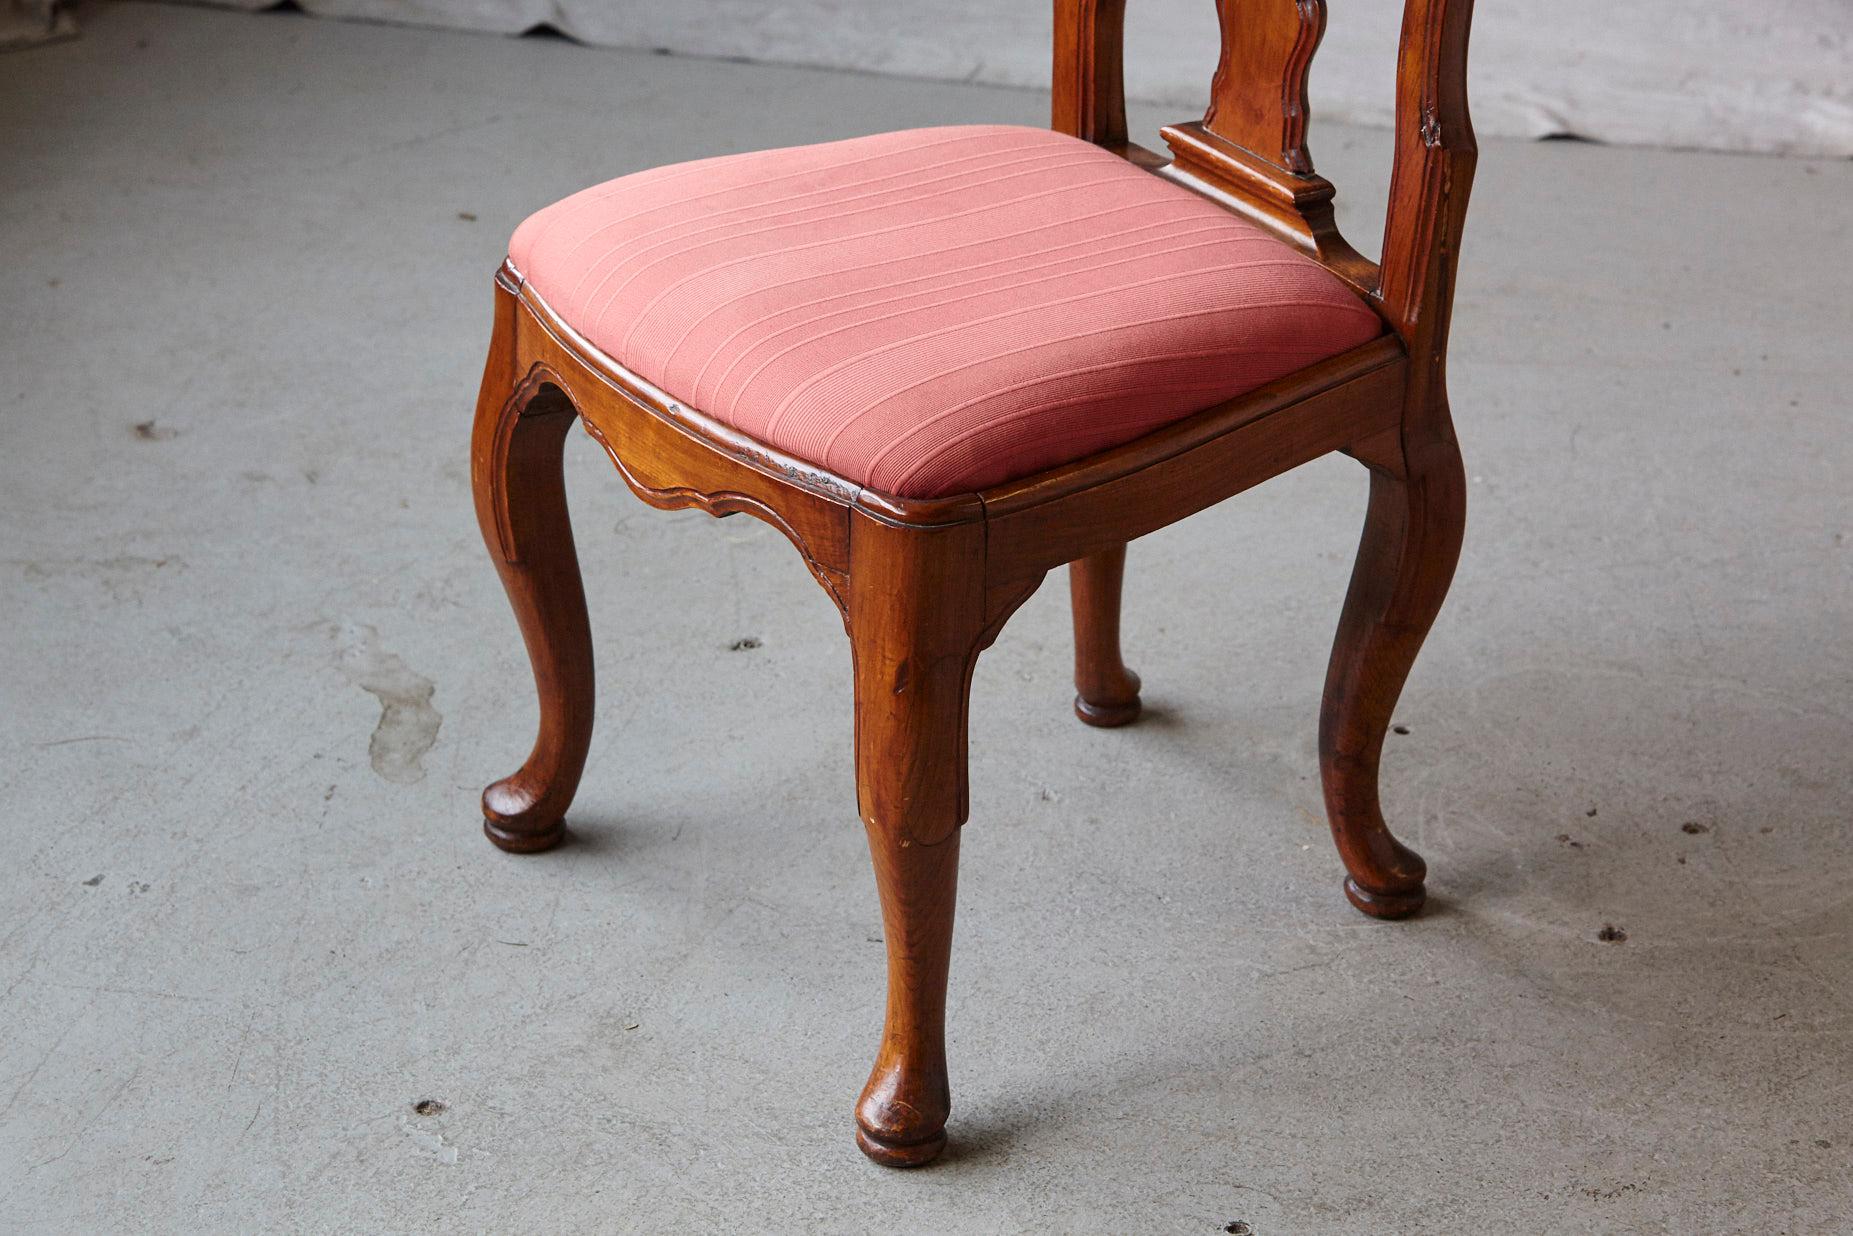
(1250, 149)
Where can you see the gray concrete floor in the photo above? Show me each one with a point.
(258, 667)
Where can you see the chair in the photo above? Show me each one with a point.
(944, 362)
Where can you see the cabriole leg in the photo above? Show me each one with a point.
(1412, 539)
(515, 470)
(916, 616)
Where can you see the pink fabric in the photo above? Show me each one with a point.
(938, 310)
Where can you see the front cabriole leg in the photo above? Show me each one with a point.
(918, 615)
(515, 470)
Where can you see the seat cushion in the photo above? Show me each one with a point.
(938, 310)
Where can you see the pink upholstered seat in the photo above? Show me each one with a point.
(938, 310)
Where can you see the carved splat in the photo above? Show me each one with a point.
(1250, 147)
(1258, 96)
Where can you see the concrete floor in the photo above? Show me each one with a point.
(258, 668)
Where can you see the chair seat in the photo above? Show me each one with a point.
(938, 310)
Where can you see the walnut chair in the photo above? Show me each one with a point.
(943, 362)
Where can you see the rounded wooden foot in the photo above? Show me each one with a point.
(510, 821)
(1106, 692)
(893, 1154)
(1385, 905)
(525, 843)
(901, 1117)
(1110, 714)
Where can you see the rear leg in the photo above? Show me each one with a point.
(1106, 692)
(1412, 539)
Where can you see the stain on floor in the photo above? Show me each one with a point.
(408, 725)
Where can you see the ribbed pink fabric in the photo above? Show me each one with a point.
(938, 310)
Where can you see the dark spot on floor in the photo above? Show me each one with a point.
(1238, 1228)
(52, 283)
(148, 431)
(94, 880)
(1823, 1143)
(744, 644)
(1591, 813)
(466, 216)
(1609, 1195)
(1694, 828)
(428, 1107)
(1767, 829)
(1566, 839)
(1611, 934)
(1399, 729)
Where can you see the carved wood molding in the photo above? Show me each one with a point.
(718, 503)
(1293, 105)
(530, 398)
(543, 391)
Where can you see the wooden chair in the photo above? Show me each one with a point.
(925, 583)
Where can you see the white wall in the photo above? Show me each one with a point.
(1758, 75)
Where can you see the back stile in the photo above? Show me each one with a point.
(1431, 174)
(1089, 93)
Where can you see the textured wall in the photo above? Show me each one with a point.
(1760, 75)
